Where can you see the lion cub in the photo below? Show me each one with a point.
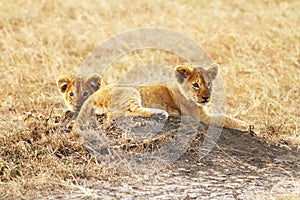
(187, 95)
(76, 90)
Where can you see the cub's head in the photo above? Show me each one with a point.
(76, 90)
(195, 83)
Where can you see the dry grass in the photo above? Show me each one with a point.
(256, 43)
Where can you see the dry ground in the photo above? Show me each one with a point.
(256, 43)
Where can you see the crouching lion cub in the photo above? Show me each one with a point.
(76, 90)
(187, 95)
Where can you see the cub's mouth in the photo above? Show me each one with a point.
(202, 102)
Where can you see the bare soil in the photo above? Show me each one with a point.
(240, 166)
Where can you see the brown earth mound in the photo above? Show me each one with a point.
(232, 164)
(238, 166)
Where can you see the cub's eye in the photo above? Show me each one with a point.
(85, 94)
(71, 94)
(196, 85)
(209, 84)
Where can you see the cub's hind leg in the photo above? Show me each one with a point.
(157, 117)
(136, 109)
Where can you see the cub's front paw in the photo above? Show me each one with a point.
(159, 115)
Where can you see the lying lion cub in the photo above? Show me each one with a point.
(186, 96)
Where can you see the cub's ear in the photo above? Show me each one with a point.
(181, 72)
(213, 71)
(94, 81)
(62, 83)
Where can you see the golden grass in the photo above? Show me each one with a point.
(256, 43)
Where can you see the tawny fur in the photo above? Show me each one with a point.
(75, 91)
(188, 95)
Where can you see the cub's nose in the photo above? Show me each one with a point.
(205, 98)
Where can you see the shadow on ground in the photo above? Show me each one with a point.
(239, 166)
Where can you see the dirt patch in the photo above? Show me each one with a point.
(239, 166)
